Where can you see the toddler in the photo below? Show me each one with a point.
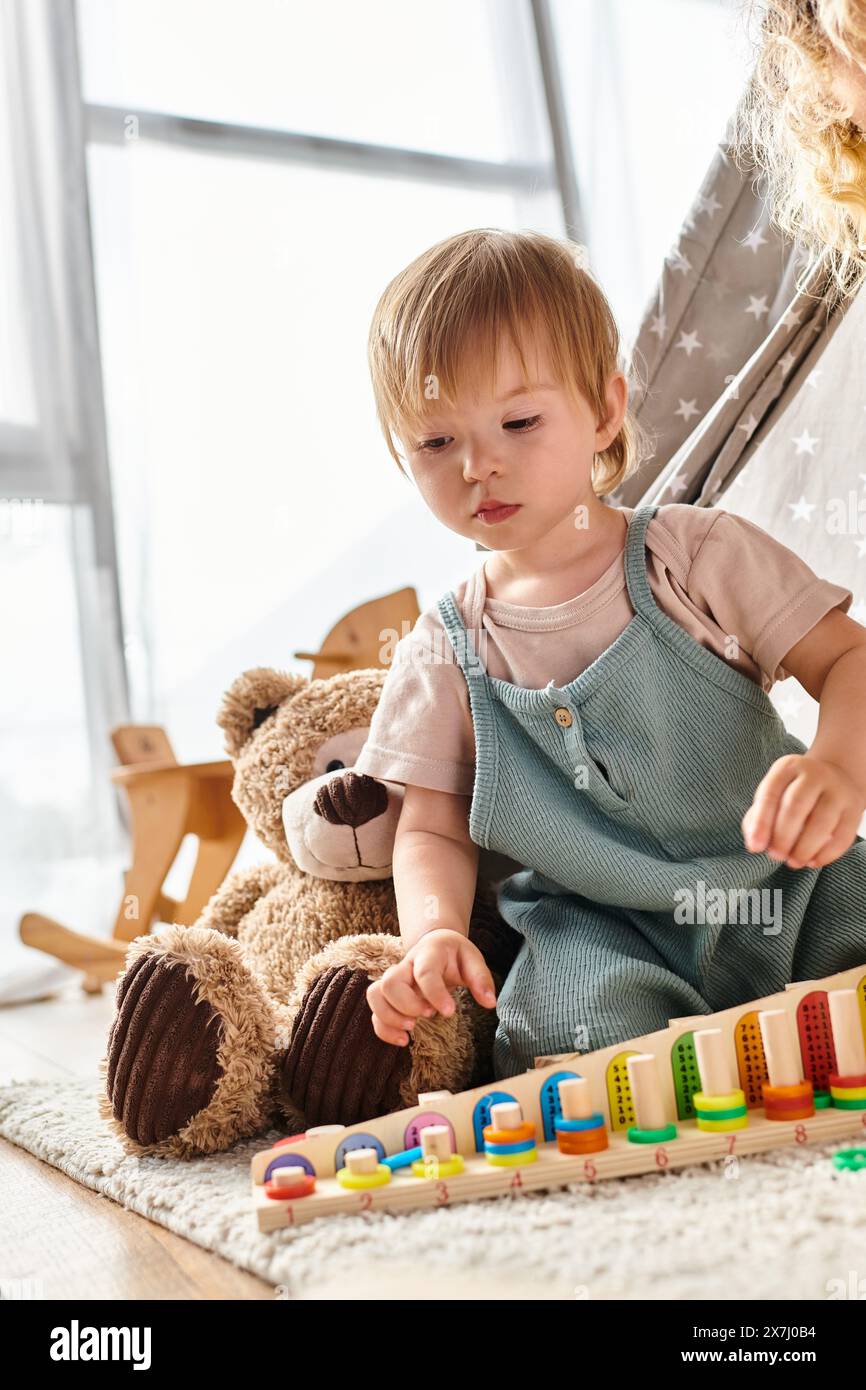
(592, 701)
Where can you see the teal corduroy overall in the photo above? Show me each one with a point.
(623, 793)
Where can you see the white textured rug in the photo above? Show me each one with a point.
(784, 1224)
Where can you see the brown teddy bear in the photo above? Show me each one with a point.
(258, 1013)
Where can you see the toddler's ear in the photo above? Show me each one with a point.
(251, 701)
(616, 400)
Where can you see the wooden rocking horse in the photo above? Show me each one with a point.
(169, 800)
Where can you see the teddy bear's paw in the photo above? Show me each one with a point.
(336, 1069)
(161, 1061)
(189, 1061)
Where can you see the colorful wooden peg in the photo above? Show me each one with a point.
(653, 1126)
(719, 1104)
(579, 1129)
(848, 1082)
(290, 1182)
(509, 1140)
(787, 1095)
(363, 1170)
(437, 1159)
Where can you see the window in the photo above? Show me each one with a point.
(186, 421)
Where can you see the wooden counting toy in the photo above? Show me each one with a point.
(789, 1069)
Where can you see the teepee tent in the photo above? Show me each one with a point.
(755, 393)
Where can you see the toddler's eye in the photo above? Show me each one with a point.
(529, 422)
(522, 426)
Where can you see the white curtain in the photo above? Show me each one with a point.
(62, 678)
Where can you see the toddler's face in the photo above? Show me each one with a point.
(525, 444)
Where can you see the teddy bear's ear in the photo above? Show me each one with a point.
(252, 699)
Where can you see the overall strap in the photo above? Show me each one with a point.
(637, 582)
(465, 638)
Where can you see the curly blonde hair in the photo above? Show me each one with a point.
(443, 318)
(791, 127)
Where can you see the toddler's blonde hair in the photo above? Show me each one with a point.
(440, 322)
(790, 126)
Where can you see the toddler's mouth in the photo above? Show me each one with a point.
(498, 512)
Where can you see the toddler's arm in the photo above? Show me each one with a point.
(435, 875)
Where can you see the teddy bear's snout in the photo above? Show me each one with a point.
(352, 798)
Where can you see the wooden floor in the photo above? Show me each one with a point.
(70, 1242)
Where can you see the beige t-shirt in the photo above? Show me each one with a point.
(733, 587)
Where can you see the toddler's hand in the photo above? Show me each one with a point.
(805, 811)
(419, 984)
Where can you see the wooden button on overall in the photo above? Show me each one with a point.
(563, 716)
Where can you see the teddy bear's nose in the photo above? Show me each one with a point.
(352, 798)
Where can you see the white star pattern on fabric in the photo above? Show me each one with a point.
(805, 443)
(689, 343)
(708, 205)
(753, 341)
(680, 262)
(802, 510)
(757, 306)
(755, 239)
